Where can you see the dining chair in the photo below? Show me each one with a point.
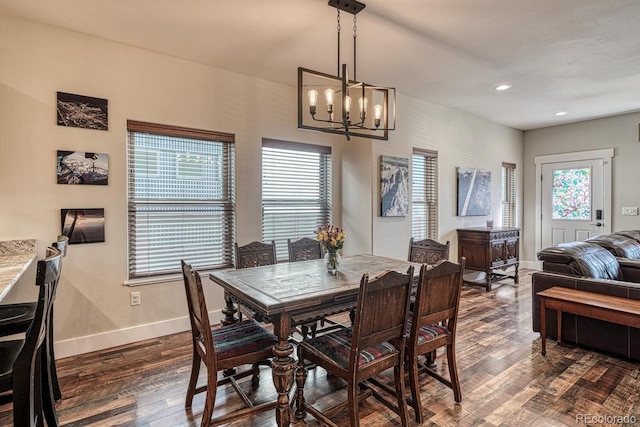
(304, 249)
(375, 343)
(427, 251)
(432, 325)
(255, 254)
(222, 349)
(23, 369)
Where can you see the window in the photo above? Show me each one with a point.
(180, 198)
(571, 194)
(508, 194)
(424, 194)
(296, 191)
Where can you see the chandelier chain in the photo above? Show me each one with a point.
(355, 35)
(355, 25)
(338, 27)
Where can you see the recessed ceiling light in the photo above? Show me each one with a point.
(561, 113)
(502, 87)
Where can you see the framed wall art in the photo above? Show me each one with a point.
(82, 111)
(394, 186)
(474, 192)
(79, 167)
(83, 225)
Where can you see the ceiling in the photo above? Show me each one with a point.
(578, 56)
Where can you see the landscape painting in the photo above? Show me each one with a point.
(474, 192)
(394, 186)
(83, 225)
(82, 111)
(79, 167)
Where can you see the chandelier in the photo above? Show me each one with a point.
(338, 104)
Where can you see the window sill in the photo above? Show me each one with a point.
(142, 281)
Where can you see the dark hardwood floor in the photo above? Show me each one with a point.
(505, 380)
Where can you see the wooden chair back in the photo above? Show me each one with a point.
(438, 296)
(255, 254)
(199, 316)
(32, 399)
(428, 251)
(304, 249)
(381, 312)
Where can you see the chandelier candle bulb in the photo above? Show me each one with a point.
(347, 106)
(329, 95)
(313, 101)
(363, 108)
(377, 114)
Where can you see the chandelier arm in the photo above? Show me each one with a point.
(328, 121)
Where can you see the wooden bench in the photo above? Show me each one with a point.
(609, 308)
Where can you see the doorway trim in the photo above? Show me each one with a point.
(605, 155)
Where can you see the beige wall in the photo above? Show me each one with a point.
(619, 133)
(36, 61)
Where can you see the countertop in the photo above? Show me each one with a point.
(15, 257)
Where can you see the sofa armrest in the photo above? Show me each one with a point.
(630, 269)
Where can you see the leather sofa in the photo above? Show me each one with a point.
(591, 266)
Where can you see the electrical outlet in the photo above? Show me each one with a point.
(135, 298)
(630, 210)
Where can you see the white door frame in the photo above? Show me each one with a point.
(605, 155)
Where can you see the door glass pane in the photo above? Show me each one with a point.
(571, 194)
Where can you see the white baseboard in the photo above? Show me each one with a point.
(89, 343)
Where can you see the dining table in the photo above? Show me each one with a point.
(290, 294)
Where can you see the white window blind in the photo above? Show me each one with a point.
(508, 194)
(296, 191)
(424, 194)
(180, 198)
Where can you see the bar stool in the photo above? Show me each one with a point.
(16, 319)
(23, 368)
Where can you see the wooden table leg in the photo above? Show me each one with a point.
(301, 377)
(489, 281)
(559, 322)
(543, 324)
(283, 368)
(229, 318)
(516, 277)
(229, 311)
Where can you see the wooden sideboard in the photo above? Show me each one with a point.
(487, 250)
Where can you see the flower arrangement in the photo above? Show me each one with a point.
(330, 237)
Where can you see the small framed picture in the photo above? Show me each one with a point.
(394, 186)
(79, 167)
(474, 192)
(82, 111)
(83, 225)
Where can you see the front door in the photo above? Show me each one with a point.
(573, 207)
